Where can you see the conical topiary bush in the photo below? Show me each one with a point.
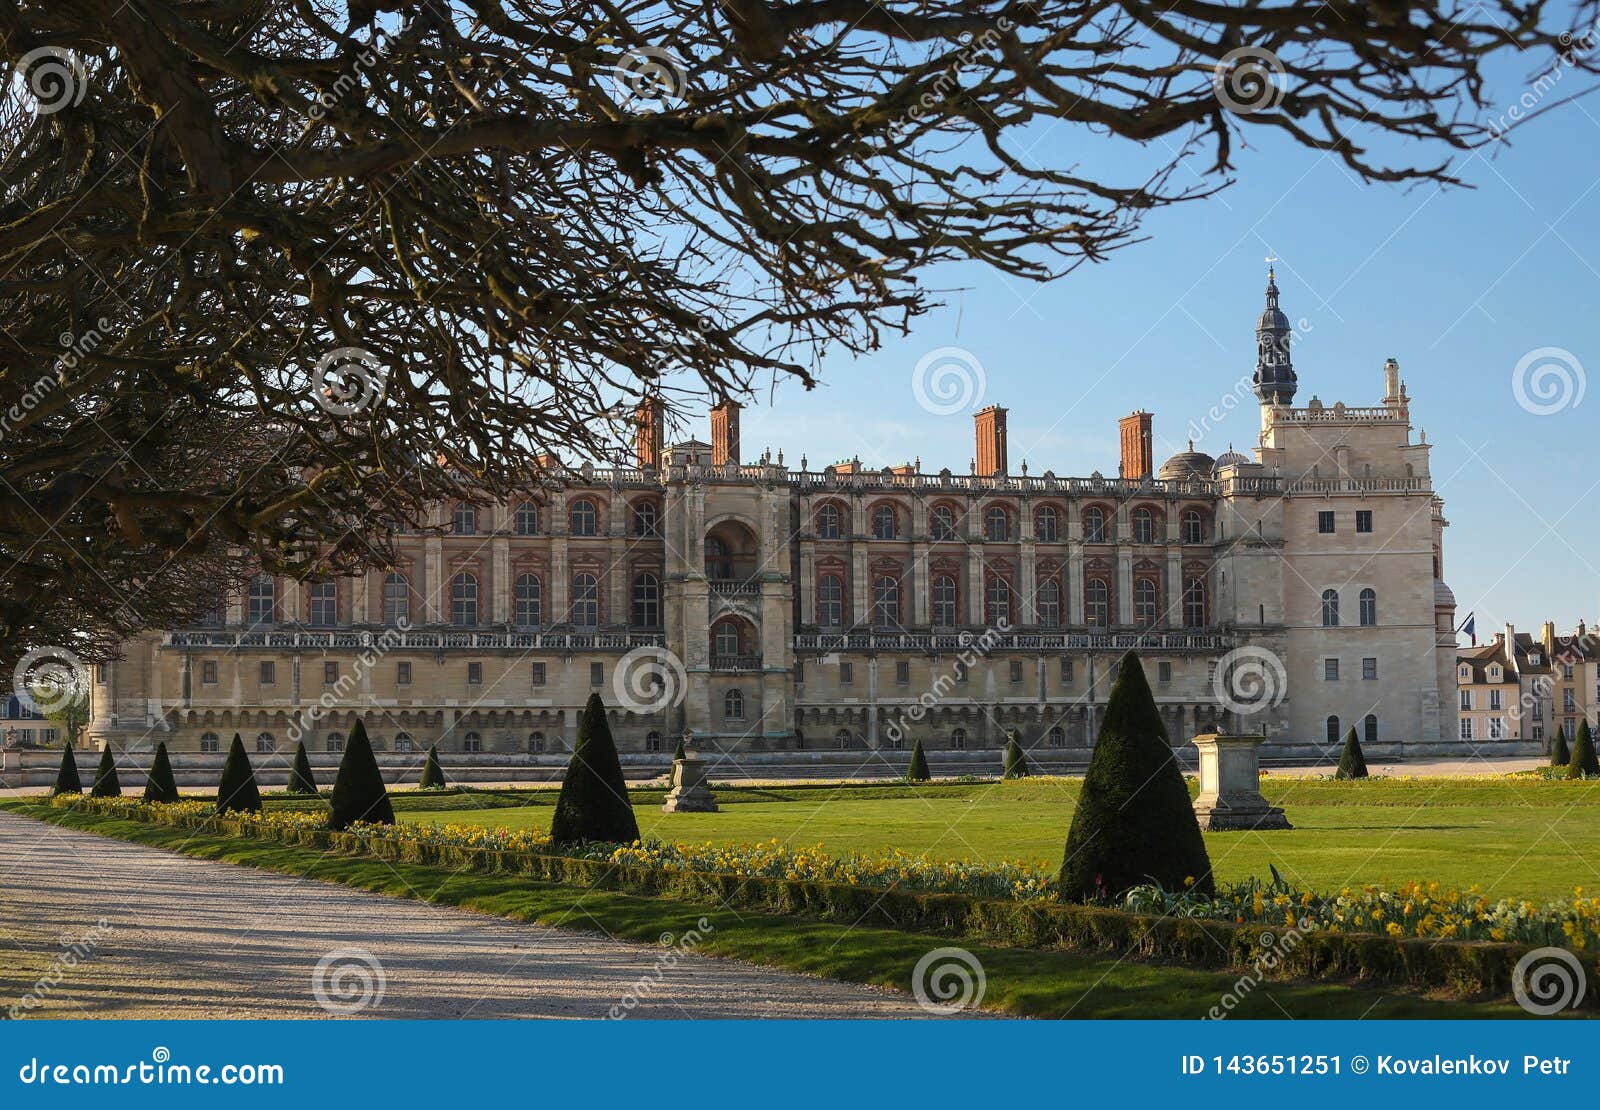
(301, 780)
(680, 753)
(1352, 761)
(594, 801)
(432, 773)
(358, 790)
(1016, 760)
(1560, 754)
(918, 769)
(160, 785)
(1583, 762)
(1134, 822)
(237, 791)
(106, 783)
(67, 780)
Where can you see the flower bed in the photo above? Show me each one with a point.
(1441, 939)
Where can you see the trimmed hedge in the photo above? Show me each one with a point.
(67, 780)
(1469, 968)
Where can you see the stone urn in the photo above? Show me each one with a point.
(691, 792)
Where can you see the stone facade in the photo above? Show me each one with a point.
(1520, 687)
(785, 609)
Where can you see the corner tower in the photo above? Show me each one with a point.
(1275, 380)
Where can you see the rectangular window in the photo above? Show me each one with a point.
(847, 674)
(269, 672)
(1494, 699)
(961, 672)
(1016, 671)
(402, 674)
(208, 672)
(1569, 703)
(101, 673)
(799, 672)
(474, 674)
(1163, 672)
(1538, 732)
(1466, 728)
(1497, 728)
(1325, 521)
(1466, 699)
(1369, 668)
(330, 673)
(1363, 520)
(902, 674)
(1066, 670)
(1330, 670)
(597, 674)
(536, 674)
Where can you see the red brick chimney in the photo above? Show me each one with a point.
(725, 433)
(990, 425)
(649, 432)
(1138, 458)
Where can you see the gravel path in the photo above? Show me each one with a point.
(125, 931)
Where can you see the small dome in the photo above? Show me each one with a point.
(1443, 596)
(1230, 457)
(1273, 318)
(1188, 464)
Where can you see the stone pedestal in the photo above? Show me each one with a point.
(690, 791)
(1230, 784)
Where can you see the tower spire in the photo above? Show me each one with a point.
(1275, 378)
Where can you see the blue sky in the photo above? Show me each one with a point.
(1457, 284)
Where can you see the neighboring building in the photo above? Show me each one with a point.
(1542, 684)
(844, 607)
(22, 725)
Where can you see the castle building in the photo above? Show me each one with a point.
(775, 609)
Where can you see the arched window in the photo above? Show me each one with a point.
(324, 599)
(464, 600)
(585, 601)
(1097, 603)
(996, 524)
(842, 738)
(1048, 603)
(828, 522)
(1144, 602)
(396, 600)
(527, 519)
(944, 601)
(472, 742)
(885, 523)
(1369, 729)
(646, 601)
(335, 742)
(582, 517)
(886, 601)
(1058, 737)
(263, 599)
(652, 741)
(645, 519)
(830, 601)
(1046, 524)
(1330, 608)
(209, 742)
(265, 742)
(465, 520)
(535, 742)
(1194, 603)
(530, 601)
(733, 705)
(942, 523)
(1094, 525)
(726, 640)
(1369, 607)
(402, 741)
(998, 600)
(1144, 526)
(1194, 527)
(718, 563)
(958, 739)
(1333, 730)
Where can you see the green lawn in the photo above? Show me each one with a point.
(1019, 981)
(1515, 837)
